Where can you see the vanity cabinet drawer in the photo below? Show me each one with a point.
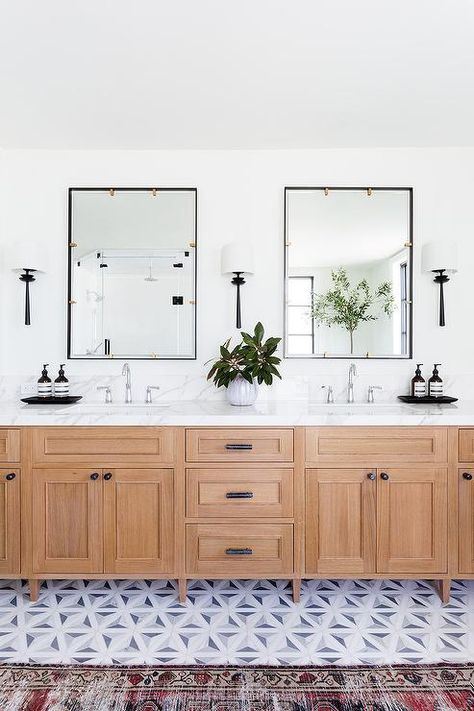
(239, 445)
(239, 493)
(466, 445)
(376, 445)
(10, 445)
(103, 445)
(239, 550)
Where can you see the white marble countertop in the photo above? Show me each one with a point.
(219, 413)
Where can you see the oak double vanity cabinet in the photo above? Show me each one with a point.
(237, 502)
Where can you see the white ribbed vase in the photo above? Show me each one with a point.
(242, 393)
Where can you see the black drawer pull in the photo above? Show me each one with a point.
(94, 476)
(239, 495)
(238, 551)
(10, 477)
(108, 476)
(239, 446)
(466, 475)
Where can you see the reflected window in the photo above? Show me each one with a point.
(300, 323)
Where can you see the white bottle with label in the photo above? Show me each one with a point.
(435, 384)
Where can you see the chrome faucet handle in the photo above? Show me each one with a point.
(108, 392)
(149, 388)
(330, 395)
(370, 392)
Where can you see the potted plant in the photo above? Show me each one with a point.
(349, 306)
(249, 364)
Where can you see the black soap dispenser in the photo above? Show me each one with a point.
(45, 387)
(435, 384)
(418, 383)
(61, 384)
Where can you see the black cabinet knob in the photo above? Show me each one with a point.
(466, 475)
(384, 476)
(10, 477)
(94, 476)
(372, 476)
(107, 476)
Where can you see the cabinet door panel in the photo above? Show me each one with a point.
(412, 520)
(67, 521)
(138, 509)
(340, 521)
(9, 522)
(466, 520)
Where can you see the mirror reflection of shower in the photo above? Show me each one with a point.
(132, 281)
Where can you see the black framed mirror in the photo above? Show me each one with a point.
(132, 273)
(348, 289)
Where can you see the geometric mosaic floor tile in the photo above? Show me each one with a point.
(236, 622)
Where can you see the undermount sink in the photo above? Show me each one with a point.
(118, 409)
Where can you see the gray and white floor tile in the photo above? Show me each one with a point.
(236, 622)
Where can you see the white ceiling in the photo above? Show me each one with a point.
(246, 74)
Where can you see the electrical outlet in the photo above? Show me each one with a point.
(29, 388)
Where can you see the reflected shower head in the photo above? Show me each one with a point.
(150, 276)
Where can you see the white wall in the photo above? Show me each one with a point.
(240, 194)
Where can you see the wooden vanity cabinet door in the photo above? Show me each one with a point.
(466, 520)
(340, 521)
(412, 523)
(67, 521)
(138, 520)
(9, 522)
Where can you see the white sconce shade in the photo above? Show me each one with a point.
(437, 256)
(28, 255)
(237, 257)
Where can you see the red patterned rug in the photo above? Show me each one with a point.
(443, 687)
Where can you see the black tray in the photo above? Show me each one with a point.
(51, 399)
(428, 399)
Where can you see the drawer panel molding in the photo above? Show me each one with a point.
(235, 493)
(96, 445)
(376, 445)
(10, 445)
(238, 550)
(239, 445)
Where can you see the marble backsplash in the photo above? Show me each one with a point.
(394, 381)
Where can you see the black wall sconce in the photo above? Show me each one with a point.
(33, 256)
(237, 259)
(440, 258)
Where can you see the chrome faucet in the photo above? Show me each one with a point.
(350, 384)
(128, 383)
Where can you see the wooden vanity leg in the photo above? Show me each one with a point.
(444, 590)
(34, 589)
(296, 590)
(182, 589)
